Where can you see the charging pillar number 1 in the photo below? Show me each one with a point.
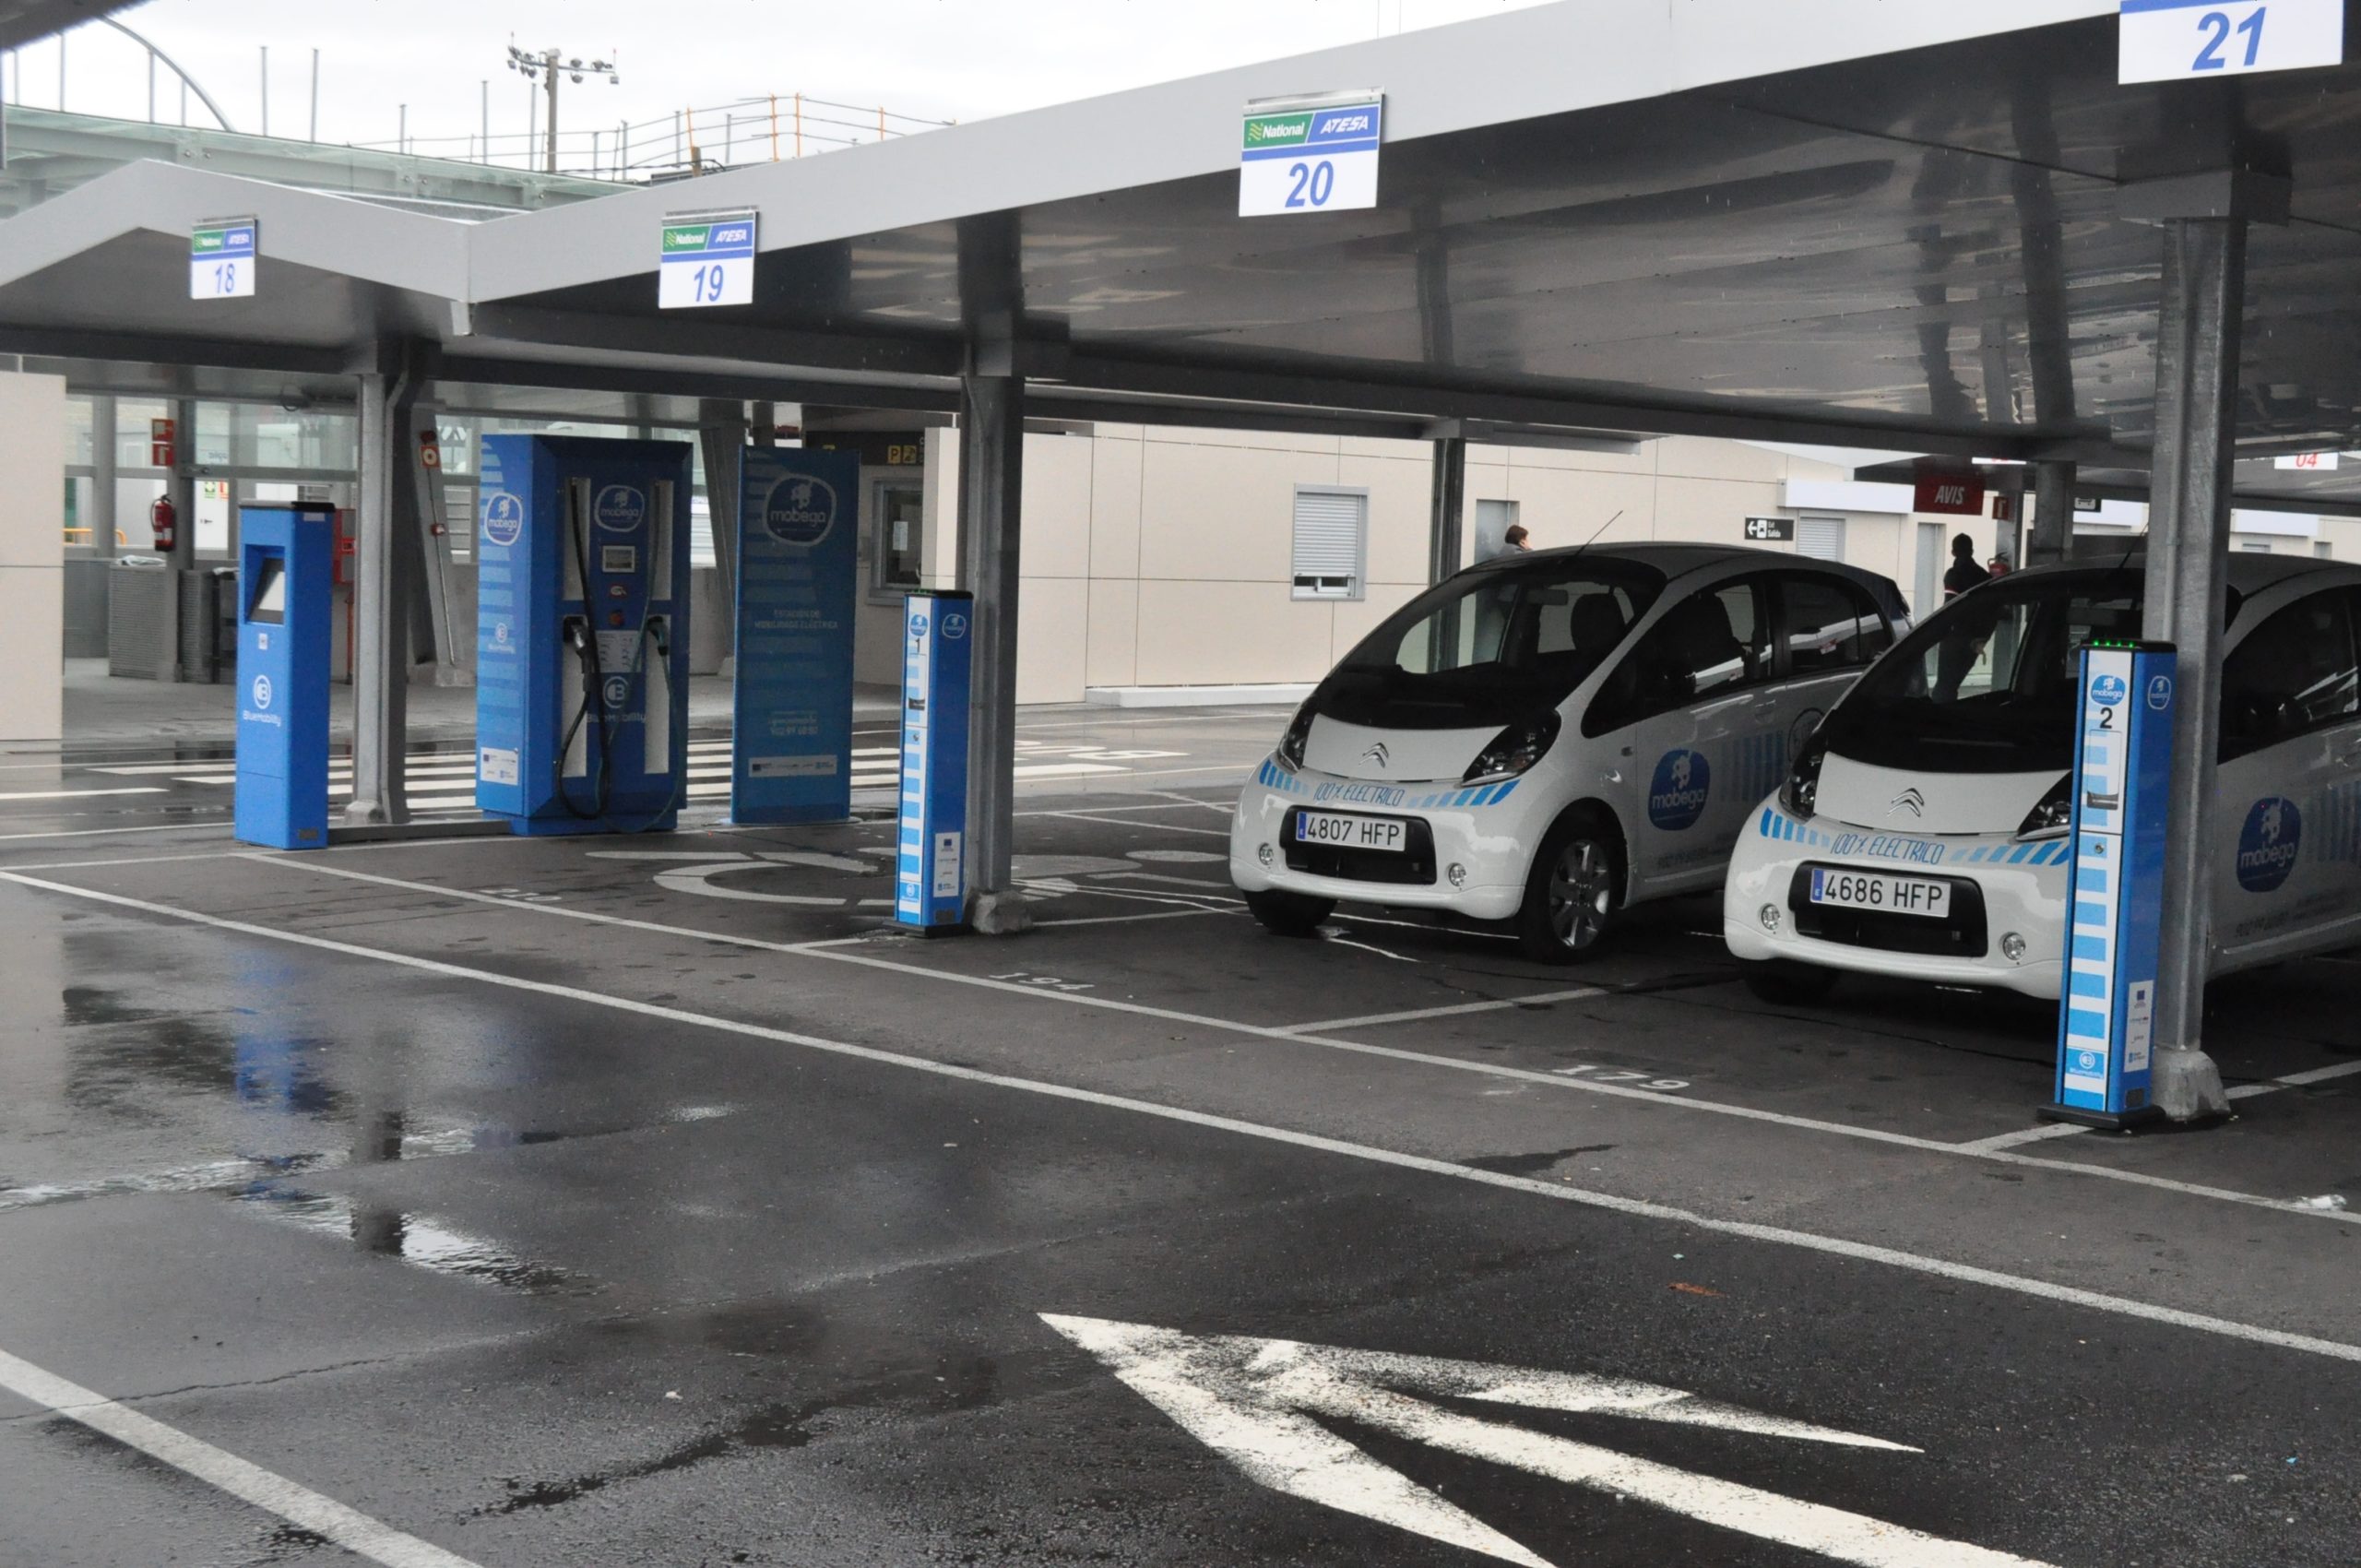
(930, 880)
(2121, 788)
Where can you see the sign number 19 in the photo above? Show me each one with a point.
(708, 279)
(2216, 25)
(1318, 182)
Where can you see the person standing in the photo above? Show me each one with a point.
(1964, 573)
(1513, 542)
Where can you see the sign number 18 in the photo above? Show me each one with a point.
(2215, 26)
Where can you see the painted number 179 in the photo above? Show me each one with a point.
(2217, 27)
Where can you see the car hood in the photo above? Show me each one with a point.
(1397, 757)
(1912, 800)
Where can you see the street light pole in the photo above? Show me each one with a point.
(545, 68)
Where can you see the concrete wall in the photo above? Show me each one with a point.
(32, 557)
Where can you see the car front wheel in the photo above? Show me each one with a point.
(1789, 985)
(1289, 914)
(1574, 889)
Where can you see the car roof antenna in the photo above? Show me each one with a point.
(1597, 532)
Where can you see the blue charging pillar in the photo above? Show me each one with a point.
(931, 879)
(284, 554)
(2121, 788)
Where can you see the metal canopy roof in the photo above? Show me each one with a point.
(1852, 221)
(22, 21)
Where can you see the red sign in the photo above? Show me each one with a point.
(1957, 494)
(2004, 508)
(429, 451)
(159, 443)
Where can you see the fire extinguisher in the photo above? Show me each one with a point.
(164, 521)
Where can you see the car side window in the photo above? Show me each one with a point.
(2294, 673)
(1713, 642)
(1830, 624)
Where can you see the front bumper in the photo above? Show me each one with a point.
(1485, 828)
(2017, 886)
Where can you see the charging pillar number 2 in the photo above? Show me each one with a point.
(2122, 785)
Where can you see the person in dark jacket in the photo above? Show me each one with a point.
(1964, 573)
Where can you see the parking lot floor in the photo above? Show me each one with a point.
(523, 1202)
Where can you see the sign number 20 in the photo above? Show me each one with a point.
(2216, 25)
(1318, 182)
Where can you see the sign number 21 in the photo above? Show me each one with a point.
(2216, 25)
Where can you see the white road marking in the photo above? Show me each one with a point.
(100, 832)
(248, 1482)
(1127, 919)
(1160, 827)
(1253, 1401)
(1330, 1043)
(1372, 1020)
(81, 794)
(2297, 1080)
(2023, 1136)
(1641, 1208)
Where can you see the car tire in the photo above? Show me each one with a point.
(1288, 914)
(1574, 891)
(1789, 985)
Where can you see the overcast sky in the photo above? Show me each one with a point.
(937, 59)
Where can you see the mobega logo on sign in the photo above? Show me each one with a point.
(620, 509)
(1677, 797)
(799, 510)
(2267, 844)
(503, 518)
(2109, 691)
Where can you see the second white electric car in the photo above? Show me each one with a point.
(1546, 739)
(1923, 832)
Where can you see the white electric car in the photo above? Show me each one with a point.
(1550, 737)
(1923, 831)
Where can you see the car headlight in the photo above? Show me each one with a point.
(1800, 794)
(1291, 745)
(2054, 816)
(1513, 750)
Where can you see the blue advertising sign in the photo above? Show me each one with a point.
(930, 878)
(797, 576)
(2122, 782)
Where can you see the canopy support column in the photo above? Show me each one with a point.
(381, 604)
(2188, 533)
(1446, 523)
(992, 483)
(722, 432)
(2052, 539)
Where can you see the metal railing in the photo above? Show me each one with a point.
(745, 130)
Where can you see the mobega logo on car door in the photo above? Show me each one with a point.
(1677, 796)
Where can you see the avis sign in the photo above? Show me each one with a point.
(1270, 1407)
(1310, 154)
(2162, 41)
(1949, 494)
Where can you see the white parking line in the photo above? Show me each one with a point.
(1640, 1208)
(248, 1482)
(1159, 826)
(2297, 1080)
(2023, 1136)
(1330, 1043)
(1460, 1009)
(79, 794)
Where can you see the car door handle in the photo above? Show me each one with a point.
(1611, 775)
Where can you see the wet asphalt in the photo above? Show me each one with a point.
(553, 1207)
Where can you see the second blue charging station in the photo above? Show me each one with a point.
(582, 678)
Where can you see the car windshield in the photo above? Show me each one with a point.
(1986, 684)
(1490, 646)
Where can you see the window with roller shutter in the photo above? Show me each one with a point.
(1822, 538)
(1331, 541)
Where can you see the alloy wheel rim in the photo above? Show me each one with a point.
(1581, 887)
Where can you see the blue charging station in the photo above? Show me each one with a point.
(285, 556)
(2121, 788)
(799, 567)
(582, 633)
(931, 873)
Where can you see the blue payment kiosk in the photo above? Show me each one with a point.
(2123, 751)
(582, 634)
(799, 564)
(284, 561)
(931, 879)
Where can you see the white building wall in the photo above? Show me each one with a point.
(32, 557)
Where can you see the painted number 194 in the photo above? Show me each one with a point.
(2217, 27)
(1315, 183)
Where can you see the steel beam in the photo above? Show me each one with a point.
(2197, 386)
(1447, 508)
(992, 483)
(2052, 539)
(380, 603)
(722, 434)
